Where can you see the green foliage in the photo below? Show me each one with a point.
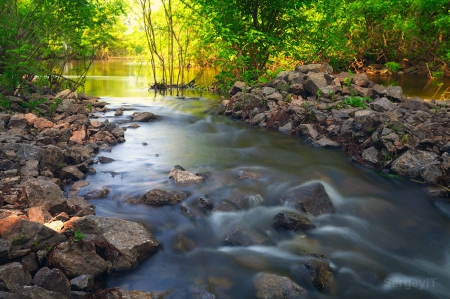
(355, 101)
(393, 67)
(386, 159)
(77, 236)
(18, 240)
(32, 105)
(5, 103)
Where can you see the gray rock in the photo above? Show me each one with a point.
(103, 159)
(31, 168)
(98, 193)
(445, 160)
(71, 173)
(43, 192)
(238, 86)
(35, 292)
(82, 283)
(27, 151)
(267, 91)
(246, 237)
(5, 250)
(143, 116)
(311, 198)
(75, 259)
(52, 159)
(286, 128)
(296, 89)
(180, 176)
(271, 286)
(28, 233)
(326, 142)
(395, 92)
(319, 115)
(258, 119)
(382, 105)
(160, 197)
(132, 240)
(30, 261)
(361, 80)
(77, 186)
(292, 221)
(199, 292)
(308, 131)
(364, 119)
(320, 273)
(80, 207)
(431, 173)
(316, 81)
(415, 104)
(225, 206)
(118, 112)
(52, 280)
(371, 155)
(316, 68)
(14, 276)
(18, 121)
(118, 132)
(414, 163)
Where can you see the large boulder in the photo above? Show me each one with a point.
(75, 259)
(143, 116)
(180, 176)
(80, 207)
(238, 86)
(246, 237)
(43, 192)
(160, 197)
(416, 163)
(311, 198)
(316, 81)
(14, 276)
(133, 241)
(271, 286)
(28, 234)
(35, 292)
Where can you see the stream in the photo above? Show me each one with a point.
(386, 239)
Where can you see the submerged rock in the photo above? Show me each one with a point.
(320, 273)
(292, 221)
(311, 198)
(246, 237)
(271, 286)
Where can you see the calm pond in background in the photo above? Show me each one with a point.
(386, 239)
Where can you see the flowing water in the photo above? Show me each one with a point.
(386, 239)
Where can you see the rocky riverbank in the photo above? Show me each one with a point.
(53, 246)
(378, 126)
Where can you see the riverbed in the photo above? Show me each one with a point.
(386, 239)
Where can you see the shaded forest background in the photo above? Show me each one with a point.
(246, 39)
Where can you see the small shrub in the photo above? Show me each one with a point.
(392, 67)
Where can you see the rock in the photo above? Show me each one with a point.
(30, 261)
(271, 286)
(286, 128)
(315, 68)
(361, 80)
(316, 81)
(382, 105)
(311, 198)
(205, 204)
(118, 112)
(363, 120)
(143, 116)
(415, 163)
(180, 176)
(258, 119)
(133, 241)
(371, 155)
(38, 214)
(118, 132)
(52, 280)
(30, 169)
(76, 187)
(71, 173)
(79, 136)
(78, 206)
(27, 151)
(42, 123)
(225, 206)
(104, 160)
(52, 159)
(28, 234)
(238, 86)
(5, 250)
(326, 142)
(96, 194)
(18, 121)
(160, 197)
(82, 283)
(415, 104)
(43, 192)
(35, 292)
(308, 131)
(394, 92)
(200, 292)
(446, 160)
(320, 273)
(75, 259)
(246, 237)
(292, 221)
(14, 276)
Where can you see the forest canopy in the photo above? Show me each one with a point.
(246, 39)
